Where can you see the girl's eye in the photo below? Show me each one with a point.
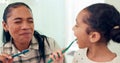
(76, 25)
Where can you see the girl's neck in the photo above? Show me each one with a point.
(100, 53)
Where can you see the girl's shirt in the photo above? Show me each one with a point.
(81, 57)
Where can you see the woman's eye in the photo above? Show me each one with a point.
(17, 21)
(30, 20)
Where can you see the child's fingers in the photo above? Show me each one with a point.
(52, 57)
(56, 56)
(60, 54)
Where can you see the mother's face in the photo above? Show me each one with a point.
(20, 24)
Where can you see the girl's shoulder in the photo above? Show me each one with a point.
(116, 59)
(80, 56)
(81, 52)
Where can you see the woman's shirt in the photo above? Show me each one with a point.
(81, 57)
(33, 55)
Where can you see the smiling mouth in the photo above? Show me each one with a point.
(25, 34)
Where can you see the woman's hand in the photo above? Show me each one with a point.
(57, 57)
(5, 58)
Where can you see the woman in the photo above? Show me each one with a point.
(19, 35)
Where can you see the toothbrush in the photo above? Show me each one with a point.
(23, 52)
(63, 51)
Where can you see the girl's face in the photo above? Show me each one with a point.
(20, 24)
(80, 29)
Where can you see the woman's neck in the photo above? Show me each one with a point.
(22, 46)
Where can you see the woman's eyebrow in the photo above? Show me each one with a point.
(30, 18)
(18, 18)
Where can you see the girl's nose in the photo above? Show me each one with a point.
(73, 28)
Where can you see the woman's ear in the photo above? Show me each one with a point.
(94, 37)
(5, 27)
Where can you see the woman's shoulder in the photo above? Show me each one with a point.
(51, 42)
(50, 39)
(51, 45)
(7, 44)
(7, 47)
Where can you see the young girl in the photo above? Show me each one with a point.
(95, 26)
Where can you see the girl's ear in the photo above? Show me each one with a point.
(5, 27)
(94, 37)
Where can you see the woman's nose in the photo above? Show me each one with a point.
(25, 26)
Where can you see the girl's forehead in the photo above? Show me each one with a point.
(84, 12)
(83, 15)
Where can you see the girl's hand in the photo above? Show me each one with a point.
(5, 58)
(57, 57)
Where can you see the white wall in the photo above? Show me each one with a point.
(2, 6)
(114, 2)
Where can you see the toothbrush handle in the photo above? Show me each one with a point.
(23, 52)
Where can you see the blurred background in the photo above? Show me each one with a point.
(55, 18)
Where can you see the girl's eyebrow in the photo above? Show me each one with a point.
(76, 21)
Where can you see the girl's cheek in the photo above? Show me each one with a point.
(76, 34)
